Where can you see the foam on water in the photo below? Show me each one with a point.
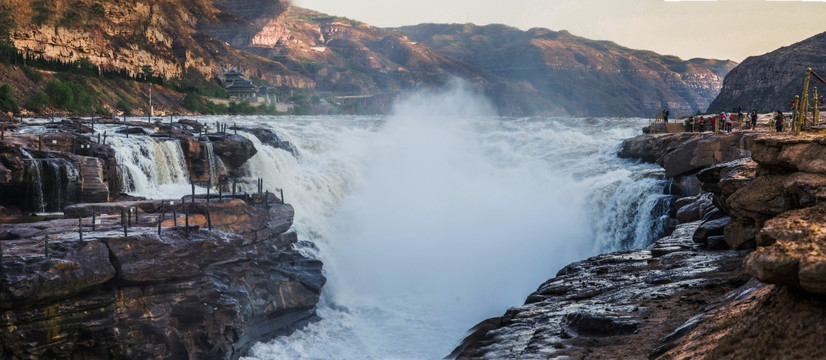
(436, 217)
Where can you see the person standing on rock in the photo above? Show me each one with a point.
(665, 115)
(754, 119)
(778, 121)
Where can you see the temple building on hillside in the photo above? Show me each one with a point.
(239, 88)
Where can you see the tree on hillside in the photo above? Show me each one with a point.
(7, 102)
(7, 25)
(41, 11)
(147, 71)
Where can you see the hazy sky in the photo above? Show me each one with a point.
(722, 29)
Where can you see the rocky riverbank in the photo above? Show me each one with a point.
(201, 277)
(741, 276)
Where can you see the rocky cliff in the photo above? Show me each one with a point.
(688, 296)
(574, 75)
(770, 81)
(359, 68)
(111, 291)
(170, 36)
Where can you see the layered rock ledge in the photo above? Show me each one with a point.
(690, 296)
(611, 306)
(181, 293)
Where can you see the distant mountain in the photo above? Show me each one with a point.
(337, 65)
(573, 75)
(770, 81)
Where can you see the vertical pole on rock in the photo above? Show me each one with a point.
(815, 110)
(235, 126)
(186, 219)
(282, 196)
(40, 142)
(209, 220)
(175, 217)
(220, 192)
(129, 218)
(160, 220)
(80, 228)
(209, 185)
(193, 191)
(233, 188)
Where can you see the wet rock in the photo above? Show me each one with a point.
(615, 305)
(709, 228)
(651, 147)
(704, 151)
(269, 137)
(595, 324)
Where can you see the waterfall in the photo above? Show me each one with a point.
(215, 163)
(435, 218)
(35, 186)
(153, 168)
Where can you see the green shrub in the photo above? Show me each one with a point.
(70, 96)
(7, 102)
(36, 102)
(124, 107)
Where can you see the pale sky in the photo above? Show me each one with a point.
(722, 29)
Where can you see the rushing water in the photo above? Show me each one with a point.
(434, 218)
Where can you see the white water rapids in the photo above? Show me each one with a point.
(436, 217)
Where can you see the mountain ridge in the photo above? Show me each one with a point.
(357, 68)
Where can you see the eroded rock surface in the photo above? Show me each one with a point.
(611, 306)
(186, 293)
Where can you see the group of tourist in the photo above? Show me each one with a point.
(722, 122)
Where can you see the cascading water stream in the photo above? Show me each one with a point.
(36, 181)
(215, 163)
(153, 168)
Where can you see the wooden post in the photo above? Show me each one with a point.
(193, 191)
(815, 110)
(282, 196)
(160, 220)
(40, 142)
(186, 219)
(209, 185)
(175, 217)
